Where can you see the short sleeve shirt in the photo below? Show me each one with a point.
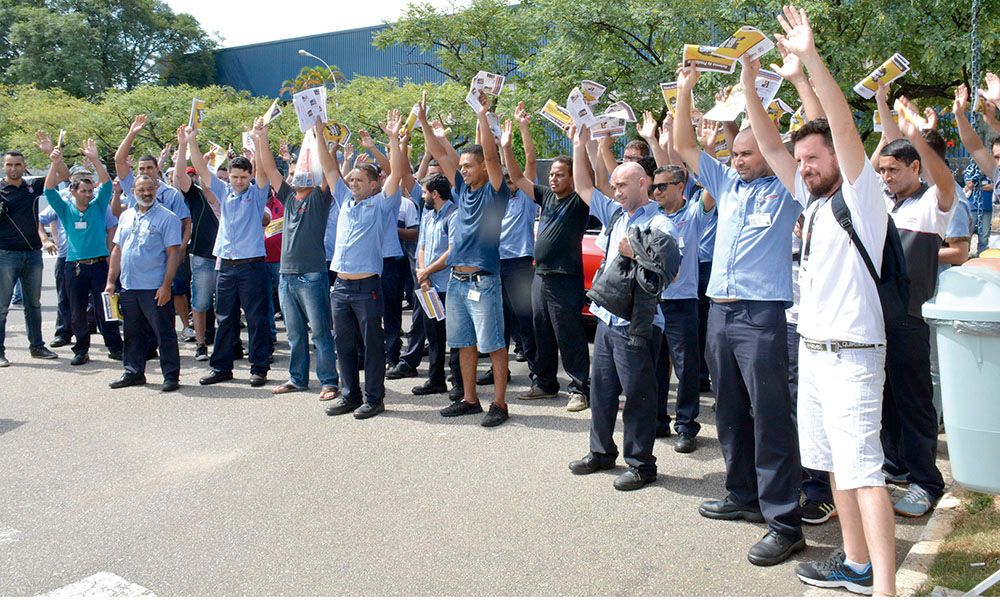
(241, 227)
(305, 228)
(475, 238)
(688, 223)
(561, 226)
(517, 229)
(204, 223)
(360, 232)
(19, 223)
(86, 232)
(433, 238)
(144, 239)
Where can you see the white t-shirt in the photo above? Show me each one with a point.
(838, 296)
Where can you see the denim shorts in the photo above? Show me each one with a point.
(203, 276)
(476, 320)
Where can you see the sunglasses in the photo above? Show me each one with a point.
(662, 187)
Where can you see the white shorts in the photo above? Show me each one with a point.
(840, 414)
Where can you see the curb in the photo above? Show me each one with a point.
(913, 572)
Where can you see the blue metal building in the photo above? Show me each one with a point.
(261, 68)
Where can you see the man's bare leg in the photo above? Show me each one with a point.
(498, 358)
(467, 359)
(867, 525)
(200, 322)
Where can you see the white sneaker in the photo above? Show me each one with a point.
(577, 402)
(188, 334)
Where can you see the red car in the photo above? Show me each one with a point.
(592, 256)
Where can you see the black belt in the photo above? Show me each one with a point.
(91, 261)
(473, 276)
(835, 345)
(235, 262)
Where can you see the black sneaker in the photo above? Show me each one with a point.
(685, 443)
(816, 513)
(457, 409)
(400, 371)
(833, 573)
(201, 354)
(427, 388)
(216, 377)
(495, 416)
(80, 359)
(367, 411)
(456, 393)
(519, 355)
(60, 342)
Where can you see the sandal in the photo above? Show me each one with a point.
(286, 387)
(329, 392)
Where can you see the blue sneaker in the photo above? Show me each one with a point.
(916, 503)
(833, 573)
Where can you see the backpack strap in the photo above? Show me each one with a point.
(843, 216)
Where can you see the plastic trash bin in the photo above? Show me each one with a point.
(965, 314)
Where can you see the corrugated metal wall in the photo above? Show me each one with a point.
(261, 68)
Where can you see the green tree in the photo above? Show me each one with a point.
(310, 77)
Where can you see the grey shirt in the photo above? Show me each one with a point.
(302, 248)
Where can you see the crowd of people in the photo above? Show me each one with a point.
(769, 281)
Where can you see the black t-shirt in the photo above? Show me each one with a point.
(19, 215)
(561, 226)
(204, 223)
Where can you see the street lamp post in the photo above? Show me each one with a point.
(333, 75)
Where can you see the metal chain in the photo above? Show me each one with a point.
(977, 47)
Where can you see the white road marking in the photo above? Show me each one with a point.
(9, 535)
(102, 585)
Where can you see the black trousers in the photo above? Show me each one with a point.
(620, 367)
(704, 303)
(556, 303)
(357, 318)
(437, 340)
(415, 337)
(679, 348)
(247, 285)
(748, 360)
(392, 310)
(85, 284)
(143, 319)
(909, 421)
(515, 280)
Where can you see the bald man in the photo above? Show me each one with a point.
(618, 365)
(747, 344)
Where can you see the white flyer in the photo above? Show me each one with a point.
(607, 126)
(474, 98)
(248, 142)
(310, 104)
(767, 84)
(620, 110)
(489, 83)
(579, 110)
(592, 91)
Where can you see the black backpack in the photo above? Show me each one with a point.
(893, 285)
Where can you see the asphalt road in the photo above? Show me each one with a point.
(227, 490)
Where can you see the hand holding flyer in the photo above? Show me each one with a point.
(557, 115)
(310, 104)
(272, 113)
(890, 71)
(197, 113)
(336, 132)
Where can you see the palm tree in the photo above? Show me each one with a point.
(310, 77)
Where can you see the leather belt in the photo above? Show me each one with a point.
(91, 261)
(474, 276)
(235, 262)
(835, 345)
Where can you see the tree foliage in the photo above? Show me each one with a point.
(87, 46)
(310, 77)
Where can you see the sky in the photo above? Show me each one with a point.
(253, 21)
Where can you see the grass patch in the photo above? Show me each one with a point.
(975, 539)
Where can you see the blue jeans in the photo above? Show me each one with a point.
(273, 306)
(26, 266)
(304, 304)
(357, 317)
(203, 280)
(475, 321)
(981, 225)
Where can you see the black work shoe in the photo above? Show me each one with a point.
(519, 355)
(170, 385)
(456, 393)
(588, 464)
(663, 433)
(115, 355)
(60, 342)
(44, 353)
(833, 573)
(343, 406)
(487, 378)
(216, 377)
(685, 443)
(367, 411)
(80, 359)
(400, 371)
(774, 549)
(495, 416)
(127, 380)
(633, 480)
(257, 379)
(817, 513)
(457, 409)
(427, 388)
(728, 510)
(705, 385)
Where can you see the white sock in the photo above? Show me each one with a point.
(855, 566)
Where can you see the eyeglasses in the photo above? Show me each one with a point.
(662, 187)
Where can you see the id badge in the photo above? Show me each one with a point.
(760, 220)
(80, 225)
(474, 295)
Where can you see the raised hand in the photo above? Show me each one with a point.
(931, 116)
(522, 115)
(961, 104)
(181, 135)
(708, 133)
(507, 134)
(422, 107)
(366, 139)
(798, 37)
(667, 132)
(349, 153)
(687, 78)
(992, 91)
(791, 66)
(259, 128)
(394, 123)
(910, 121)
(286, 154)
(438, 127)
(89, 149)
(647, 130)
(43, 142)
(56, 155)
(137, 124)
(165, 152)
(882, 94)
(749, 69)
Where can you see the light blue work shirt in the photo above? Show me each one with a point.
(340, 193)
(649, 214)
(86, 234)
(49, 216)
(144, 238)
(241, 228)
(433, 238)
(361, 231)
(753, 245)
(391, 247)
(960, 225)
(166, 195)
(517, 229)
(706, 245)
(688, 222)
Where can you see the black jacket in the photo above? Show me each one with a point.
(631, 289)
